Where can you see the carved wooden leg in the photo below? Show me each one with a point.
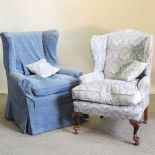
(145, 115)
(136, 125)
(76, 116)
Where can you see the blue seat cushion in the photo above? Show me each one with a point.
(54, 84)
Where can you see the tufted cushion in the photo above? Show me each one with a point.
(113, 92)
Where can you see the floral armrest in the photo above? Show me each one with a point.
(91, 77)
(144, 83)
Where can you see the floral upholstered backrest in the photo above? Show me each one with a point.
(98, 46)
(114, 50)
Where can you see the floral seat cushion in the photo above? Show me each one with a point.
(114, 92)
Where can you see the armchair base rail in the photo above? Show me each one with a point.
(136, 124)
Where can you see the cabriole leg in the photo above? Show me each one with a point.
(136, 125)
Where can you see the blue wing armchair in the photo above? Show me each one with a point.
(36, 104)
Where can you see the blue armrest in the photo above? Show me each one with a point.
(20, 80)
(70, 71)
(17, 76)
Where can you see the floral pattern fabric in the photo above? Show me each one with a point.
(123, 47)
(131, 71)
(98, 46)
(42, 68)
(113, 92)
(133, 112)
(91, 77)
(111, 52)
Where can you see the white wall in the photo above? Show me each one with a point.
(77, 21)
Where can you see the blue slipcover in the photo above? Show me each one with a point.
(36, 104)
(54, 84)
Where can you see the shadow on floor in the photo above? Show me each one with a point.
(102, 127)
(3, 121)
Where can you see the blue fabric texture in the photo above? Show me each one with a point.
(70, 71)
(36, 104)
(54, 84)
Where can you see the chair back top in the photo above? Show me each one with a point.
(22, 48)
(113, 50)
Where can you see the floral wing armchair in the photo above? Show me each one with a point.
(120, 84)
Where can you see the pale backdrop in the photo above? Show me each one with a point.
(77, 21)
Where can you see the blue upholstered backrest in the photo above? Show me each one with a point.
(22, 48)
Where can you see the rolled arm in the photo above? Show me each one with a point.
(21, 82)
(92, 77)
(70, 71)
(16, 76)
(144, 83)
(144, 86)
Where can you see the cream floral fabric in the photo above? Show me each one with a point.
(111, 52)
(148, 52)
(131, 70)
(133, 112)
(98, 46)
(92, 77)
(143, 86)
(123, 47)
(42, 68)
(114, 92)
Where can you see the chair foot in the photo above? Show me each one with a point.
(76, 116)
(136, 125)
(137, 143)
